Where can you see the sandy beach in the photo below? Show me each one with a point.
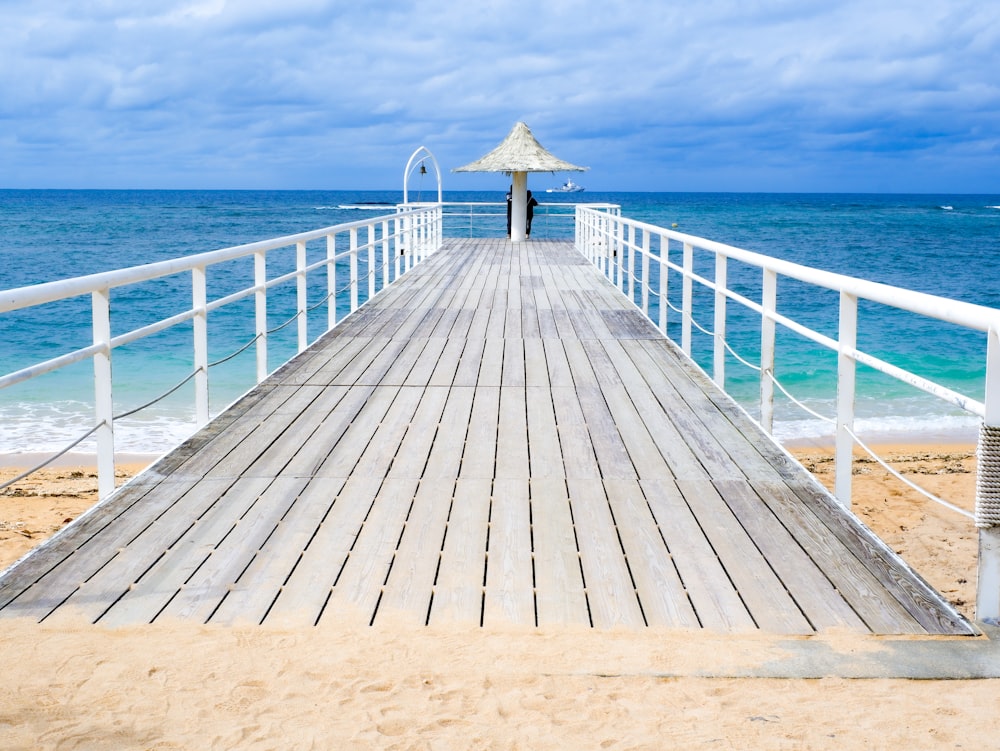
(182, 685)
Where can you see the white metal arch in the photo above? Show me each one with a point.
(418, 157)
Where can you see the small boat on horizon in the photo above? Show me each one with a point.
(567, 187)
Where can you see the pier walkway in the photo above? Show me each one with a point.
(497, 438)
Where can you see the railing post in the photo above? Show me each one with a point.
(354, 268)
(630, 252)
(988, 490)
(619, 233)
(331, 281)
(408, 249)
(769, 302)
(687, 300)
(664, 282)
(719, 346)
(397, 246)
(371, 261)
(103, 398)
(260, 305)
(301, 296)
(384, 269)
(199, 299)
(645, 272)
(847, 340)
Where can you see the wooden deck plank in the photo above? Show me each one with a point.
(818, 599)
(674, 445)
(412, 353)
(446, 368)
(204, 591)
(424, 368)
(512, 435)
(578, 455)
(358, 588)
(345, 454)
(709, 587)
(512, 373)
(479, 459)
(304, 595)
(383, 448)
(415, 448)
(446, 452)
(58, 570)
(660, 590)
(491, 363)
(458, 589)
(765, 596)
(470, 363)
(559, 593)
(610, 592)
(509, 597)
(313, 450)
(545, 457)
(865, 569)
(154, 566)
(536, 371)
(410, 585)
(251, 596)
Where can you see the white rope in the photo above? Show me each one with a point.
(988, 480)
(797, 403)
(901, 478)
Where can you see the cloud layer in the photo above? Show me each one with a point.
(875, 95)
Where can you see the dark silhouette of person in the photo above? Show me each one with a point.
(510, 199)
(530, 213)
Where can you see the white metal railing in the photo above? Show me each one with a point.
(637, 257)
(551, 221)
(402, 240)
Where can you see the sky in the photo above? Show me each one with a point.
(651, 95)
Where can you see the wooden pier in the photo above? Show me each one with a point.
(497, 438)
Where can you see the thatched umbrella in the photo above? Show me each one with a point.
(517, 155)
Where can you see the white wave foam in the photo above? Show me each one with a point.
(51, 427)
(892, 428)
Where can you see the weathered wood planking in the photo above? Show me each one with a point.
(498, 438)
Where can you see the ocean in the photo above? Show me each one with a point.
(940, 244)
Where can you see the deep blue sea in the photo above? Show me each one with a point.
(946, 245)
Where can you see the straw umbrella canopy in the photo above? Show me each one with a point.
(517, 155)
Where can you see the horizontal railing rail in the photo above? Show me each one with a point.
(639, 259)
(402, 240)
(553, 220)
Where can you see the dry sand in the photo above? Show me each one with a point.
(190, 686)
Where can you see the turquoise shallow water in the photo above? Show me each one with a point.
(945, 245)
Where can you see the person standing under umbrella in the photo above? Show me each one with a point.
(529, 213)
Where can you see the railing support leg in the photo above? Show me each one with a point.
(988, 491)
(354, 269)
(846, 376)
(371, 261)
(199, 297)
(644, 296)
(260, 298)
(331, 281)
(664, 282)
(103, 399)
(384, 270)
(769, 302)
(719, 346)
(301, 296)
(687, 304)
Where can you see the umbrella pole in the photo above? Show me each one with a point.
(519, 204)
